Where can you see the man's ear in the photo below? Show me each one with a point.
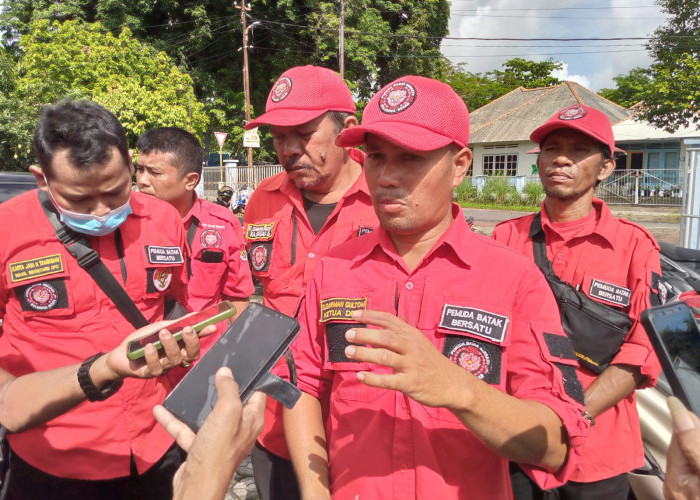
(191, 181)
(462, 162)
(606, 169)
(39, 176)
(350, 121)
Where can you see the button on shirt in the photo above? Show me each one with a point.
(55, 315)
(284, 252)
(605, 252)
(482, 305)
(218, 232)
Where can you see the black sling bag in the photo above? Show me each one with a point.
(595, 330)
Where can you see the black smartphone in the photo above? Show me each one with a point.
(251, 346)
(676, 339)
(212, 255)
(198, 321)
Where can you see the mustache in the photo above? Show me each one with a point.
(384, 196)
(293, 163)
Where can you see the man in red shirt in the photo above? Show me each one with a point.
(612, 261)
(294, 217)
(169, 166)
(429, 355)
(54, 313)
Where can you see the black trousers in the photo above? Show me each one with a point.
(613, 488)
(274, 475)
(28, 483)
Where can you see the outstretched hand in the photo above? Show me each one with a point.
(683, 467)
(225, 438)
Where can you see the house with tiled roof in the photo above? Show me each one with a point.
(500, 132)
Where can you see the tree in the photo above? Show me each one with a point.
(674, 99)
(17, 118)
(84, 61)
(630, 89)
(521, 72)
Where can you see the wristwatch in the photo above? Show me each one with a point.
(92, 392)
(588, 417)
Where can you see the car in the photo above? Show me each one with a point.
(14, 183)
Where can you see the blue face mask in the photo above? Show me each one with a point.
(93, 225)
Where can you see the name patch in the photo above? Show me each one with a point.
(608, 292)
(338, 308)
(36, 268)
(260, 232)
(468, 319)
(164, 255)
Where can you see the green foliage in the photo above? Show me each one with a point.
(497, 192)
(17, 118)
(630, 88)
(672, 101)
(533, 193)
(83, 61)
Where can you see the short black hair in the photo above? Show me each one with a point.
(185, 148)
(84, 128)
(338, 118)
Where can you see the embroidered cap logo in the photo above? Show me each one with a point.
(572, 113)
(397, 97)
(281, 89)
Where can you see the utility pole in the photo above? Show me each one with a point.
(341, 41)
(246, 80)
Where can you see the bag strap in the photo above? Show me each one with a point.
(194, 224)
(539, 245)
(79, 247)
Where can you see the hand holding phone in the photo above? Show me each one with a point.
(198, 321)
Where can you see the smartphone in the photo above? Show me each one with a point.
(251, 346)
(676, 340)
(198, 321)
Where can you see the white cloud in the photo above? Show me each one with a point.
(563, 75)
(596, 62)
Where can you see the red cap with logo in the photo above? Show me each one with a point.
(303, 94)
(585, 119)
(414, 112)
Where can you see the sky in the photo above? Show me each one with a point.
(590, 63)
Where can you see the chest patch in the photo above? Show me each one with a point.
(340, 308)
(481, 359)
(159, 279)
(36, 268)
(164, 255)
(210, 238)
(43, 296)
(608, 292)
(260, 256)
(470, 320)
(364, 230)
(260, 232)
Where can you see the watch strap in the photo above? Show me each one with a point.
(92, 392)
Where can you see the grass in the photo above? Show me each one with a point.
(497, 193)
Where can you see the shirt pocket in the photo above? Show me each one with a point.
(607, 289)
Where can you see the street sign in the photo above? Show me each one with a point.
(251, 139)
(220, 138)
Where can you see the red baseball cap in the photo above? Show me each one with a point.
(415, 112)
(302, 94)
(585, 119)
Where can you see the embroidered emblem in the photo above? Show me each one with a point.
(282, 88)
(210, 238)
(618, 295)
(164, 255)
(468, 319)
(572, 113)
(397, 97)
(36, 268)
(259, 256)
(162, 278)
(480, 358)
(244, 256)
(260, 232)
(41, 296)
(364, 230)
(337, 308)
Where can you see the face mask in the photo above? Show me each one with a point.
(92, 225)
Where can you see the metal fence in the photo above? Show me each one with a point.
(235, 176)
(661, 187)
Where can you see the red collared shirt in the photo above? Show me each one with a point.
(284, 252)
(483, 306)
(219, 238)
(608, 253)
(54, 315)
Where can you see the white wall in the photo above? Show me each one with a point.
(525, 160)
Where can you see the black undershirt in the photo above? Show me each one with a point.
(318, 213)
